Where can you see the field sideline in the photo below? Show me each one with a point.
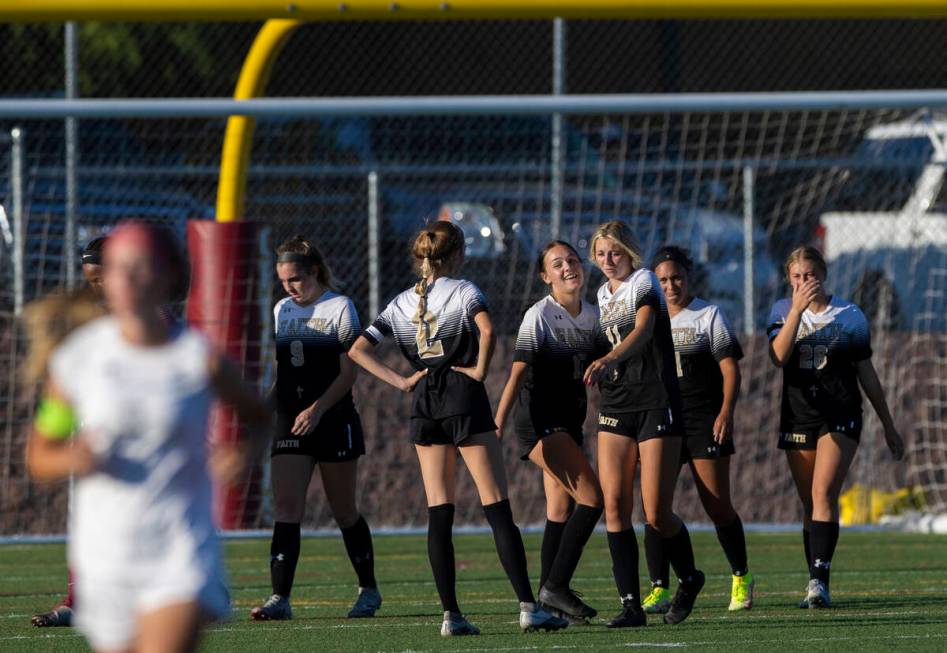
(890, 592)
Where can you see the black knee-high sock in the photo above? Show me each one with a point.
(624, 549)
(440, 551)
(552, 537)
(577, 532)
(824, 537)
(808, 547)
(659, 569)
(680, 554)
(733, 541)
(358, 544)
(510, 548)
(284, 554)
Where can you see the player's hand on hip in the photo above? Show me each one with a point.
(895, 443)
(306, 421)
(411, 381)
(723, 427)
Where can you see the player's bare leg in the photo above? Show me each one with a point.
(802, 470)
(171, 629)
(290, 474)
(660, 466)
(484, 459)
(712, 478)
(340, 480)
(834, 455)
(562, 460)
(617, 463)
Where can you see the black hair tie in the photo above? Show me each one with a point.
(295, 257)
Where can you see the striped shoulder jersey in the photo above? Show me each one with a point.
(703, 337)
(444, 336)
(309, 341)
(558, 347)
(647, 380)
(819, 380)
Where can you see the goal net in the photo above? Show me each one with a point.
(864, 185)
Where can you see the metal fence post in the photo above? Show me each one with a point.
(374, 247)
(749, 317)
(72, 151)
(19, 225)
(556, 144)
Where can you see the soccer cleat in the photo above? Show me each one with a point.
(58, 617)
(741, 592)
(534, 617)
(367, 603)
(276, 608)
(817, 595)
(456, 625)
(684, 599)
(658, 600)
(573, 621)
(566, 601)
(804, 603)
(631, 616)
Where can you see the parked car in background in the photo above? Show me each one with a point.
(893, 261)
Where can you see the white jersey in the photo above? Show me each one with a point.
(144, 516)
(558, 347)
(444, 336)
(703, 337)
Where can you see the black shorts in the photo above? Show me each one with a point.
(531, 429)
(338, 437)
(449, 409)
(639, 425)
(805, 437)
(699, 441)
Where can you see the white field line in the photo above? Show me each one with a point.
(728, 645)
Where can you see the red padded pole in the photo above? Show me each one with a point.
(223, 303)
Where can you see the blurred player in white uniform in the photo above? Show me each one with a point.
(443, 328)
(823, 346)
(317, 424)
(556, 341)
(148, 568)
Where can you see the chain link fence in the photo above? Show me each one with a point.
(866, 186)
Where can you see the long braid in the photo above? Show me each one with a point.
(434, 247)
(427, 269)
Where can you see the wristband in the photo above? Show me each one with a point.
(55, 419)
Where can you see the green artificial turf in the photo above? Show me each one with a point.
(889, 590)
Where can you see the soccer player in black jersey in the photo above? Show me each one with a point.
(443, 328)
(639, 422)
(556, 342)
(823, 346)
(708, 373)
(61, 615)
(317, 424)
